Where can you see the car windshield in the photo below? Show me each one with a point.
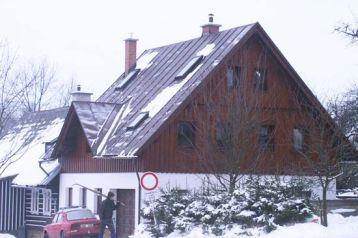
(79, 214)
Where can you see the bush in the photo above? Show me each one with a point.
(263, 203)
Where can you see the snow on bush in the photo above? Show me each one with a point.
(265, 204)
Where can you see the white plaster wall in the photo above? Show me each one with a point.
(111, 181)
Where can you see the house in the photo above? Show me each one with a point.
(147, 121)
(29, 182)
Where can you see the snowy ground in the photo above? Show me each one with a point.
(6, 236)
(339, 227)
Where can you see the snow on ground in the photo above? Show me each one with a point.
(6, 236)
(342, 210)
(339, 227)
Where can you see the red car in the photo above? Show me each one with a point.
(72, 222)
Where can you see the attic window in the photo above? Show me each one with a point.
(260, 80)
(138, 120)
(126, 80)
(193, 63)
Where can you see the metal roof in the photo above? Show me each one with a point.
(156, 90)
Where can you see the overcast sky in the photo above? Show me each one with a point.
(84, 38)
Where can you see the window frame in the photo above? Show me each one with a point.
(190, 139)
(97, 200)
(83, 197)
(302, 134)
(260, 83)
(267, 142)
(235, 76)
(47, 201)
(35, 201)
(221, 127)
(69, 197)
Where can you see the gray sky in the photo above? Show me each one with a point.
(84, 38)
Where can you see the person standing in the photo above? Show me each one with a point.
(106, 213)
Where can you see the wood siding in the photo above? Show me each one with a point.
(80, 160)
(12, 206)
(162, 154)
(277, 103)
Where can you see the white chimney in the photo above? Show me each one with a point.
(80, 96)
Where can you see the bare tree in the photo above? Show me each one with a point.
(321, 145)
(349, 30)
(40, 79)
(344, 111)
(234, 123)
(66, 89)
(23, 90)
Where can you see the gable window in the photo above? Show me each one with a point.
(297, 139)
(69, 194)
(233, 75)
(223, 134)
(266, 137)
(185, 134)
(35, 199)
(46, 201)
(260, 80)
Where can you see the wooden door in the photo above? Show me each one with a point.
(125, 214)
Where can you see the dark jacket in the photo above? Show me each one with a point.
(106, 209)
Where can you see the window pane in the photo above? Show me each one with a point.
(266, 137)
(79, 214)
(223, 134)
(185, 134)
(297, 139)
(260, 81)
(230, 77)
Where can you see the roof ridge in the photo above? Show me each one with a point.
(196, 38)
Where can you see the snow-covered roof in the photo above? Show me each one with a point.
(24, 146)
(156, 90)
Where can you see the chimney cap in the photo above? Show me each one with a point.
(211, 21)
(130, 37)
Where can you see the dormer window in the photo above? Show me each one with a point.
(260, 80)
(131, 75)
(138, 120)
(189, 67)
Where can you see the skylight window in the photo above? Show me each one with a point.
(126, 80)
(193, 63)
(138, 120)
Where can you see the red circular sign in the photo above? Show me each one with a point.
(146, 175)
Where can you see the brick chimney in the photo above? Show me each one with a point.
(210, 27)
(130, 53)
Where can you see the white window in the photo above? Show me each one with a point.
(47, 201)
(298, 139)
(35, 198)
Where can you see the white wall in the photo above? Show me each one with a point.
(112, 181)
